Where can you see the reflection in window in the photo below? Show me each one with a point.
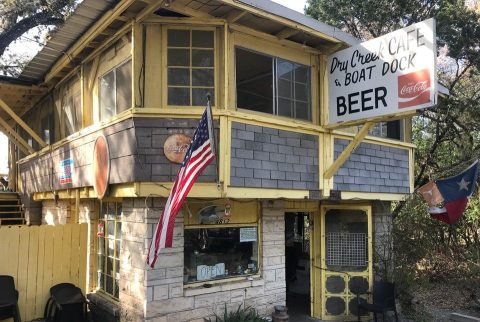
(272, 85)
(108, 250)
(191, 66)
(116, 91)
(217, 253)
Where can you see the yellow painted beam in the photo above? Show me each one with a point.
(20, 122)
(234, 16)
(368, 196)
(348, 150)
(382, 118)
(257, 193)
(93, 32)
(286, 32)
(16, 138)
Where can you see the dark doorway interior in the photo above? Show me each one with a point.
(297, 263)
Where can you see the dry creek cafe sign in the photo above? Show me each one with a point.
(384, 76)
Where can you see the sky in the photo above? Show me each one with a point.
(297, 5)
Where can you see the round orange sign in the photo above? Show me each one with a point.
(101, 166)
(176, 146)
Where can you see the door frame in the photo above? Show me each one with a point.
(319, 271)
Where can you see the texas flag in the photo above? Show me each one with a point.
(453, 192)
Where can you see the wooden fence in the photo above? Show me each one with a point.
(39, 257)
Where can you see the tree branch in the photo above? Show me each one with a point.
(39, 19)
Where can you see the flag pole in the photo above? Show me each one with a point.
(211, 134)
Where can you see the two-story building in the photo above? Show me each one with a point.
(274, 220)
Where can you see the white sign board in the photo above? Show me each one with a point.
(388, 75)
(248, 234)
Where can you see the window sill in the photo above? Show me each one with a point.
(223, 285)
(105, 303)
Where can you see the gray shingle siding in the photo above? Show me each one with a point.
(273, 159)
(372, 168)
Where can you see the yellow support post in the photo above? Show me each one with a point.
(348, 150)
(15, 138)
(20, 122)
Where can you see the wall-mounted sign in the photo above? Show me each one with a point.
(384, 76)
(66, 171)
(101, 166)
(176, 146)
(248, 234)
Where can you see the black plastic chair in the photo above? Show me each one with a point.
(8, 299)
(383, 301)
(66, 304)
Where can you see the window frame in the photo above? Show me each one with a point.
(275, 83)
(253, 220)
(117, 218)
(164, 57)
(114, 69)
(285, 51)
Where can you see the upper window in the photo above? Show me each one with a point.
(272, 85)
(72, 112)
(191, 66)
(116, 91)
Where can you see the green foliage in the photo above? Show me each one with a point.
(240, 315)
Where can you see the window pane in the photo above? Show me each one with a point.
(302, 74)
(101, 262)
(254, 80)
(284, 88)
(301, 92)
(178, 96)
(124, 87)
(200, 96)
(111, 229)
(178, 57)
(101, 246)
(203, 39)
(217, 253)
(111, 247)
(109, 266)
(118, 230)
(109, 285)
(116, 288)
(178, 38)
(285, 107)
(285, 69)
(202, 58)
(302, 111)
(107, 96)
(202, 77)
(179, 76)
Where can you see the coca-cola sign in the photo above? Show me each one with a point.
(390, 75)
(414, 88)
(176, 146)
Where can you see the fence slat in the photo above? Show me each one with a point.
(39, 257)
(40, 298)
(66, 250)
(82, 269)
(22, 276)
(32, 267)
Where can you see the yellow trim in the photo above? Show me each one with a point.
(183, 21)
(258, 193)
(382, 118)
(332, 169)
(375, 140)
(21, 123)
(87, 38)
(15, 137)
(358, 196)
(281, 20)
(320, 309)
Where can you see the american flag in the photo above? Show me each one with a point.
(199, 155)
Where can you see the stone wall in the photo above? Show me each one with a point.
(168, 299)
(382, 240)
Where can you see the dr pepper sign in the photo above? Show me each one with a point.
(388, 75)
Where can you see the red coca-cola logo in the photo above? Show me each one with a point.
(414, 88)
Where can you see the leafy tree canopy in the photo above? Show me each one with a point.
(19, 16)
